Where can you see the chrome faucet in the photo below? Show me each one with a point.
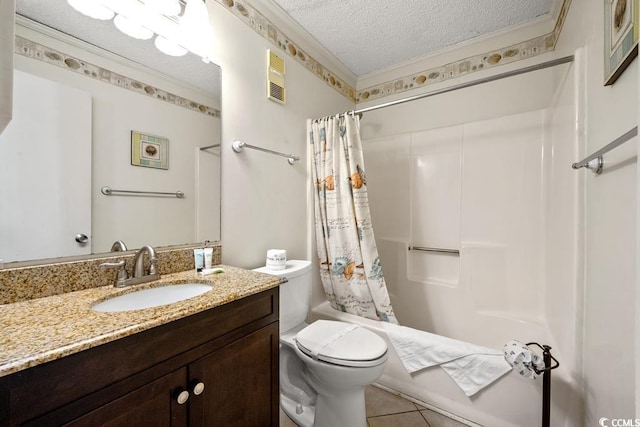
(118, 245)
(139, 275)
(138, 270)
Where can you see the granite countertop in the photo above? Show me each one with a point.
(45, 329)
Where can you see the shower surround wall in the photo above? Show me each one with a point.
(476, 187)
(494, 182)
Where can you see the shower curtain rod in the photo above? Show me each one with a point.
(536, 67)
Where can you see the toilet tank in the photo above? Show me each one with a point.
(295, 295)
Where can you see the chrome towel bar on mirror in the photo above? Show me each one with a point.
(239, 145)
(108, 191)
(422, 248)
(594, 162)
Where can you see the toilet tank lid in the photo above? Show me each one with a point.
(292, 269)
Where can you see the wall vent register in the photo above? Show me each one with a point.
(275, 78)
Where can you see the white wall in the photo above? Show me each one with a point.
(264, 199)
(610, 257)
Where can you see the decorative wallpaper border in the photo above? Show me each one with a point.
(516, 52)
(261, 25)
(31, 49)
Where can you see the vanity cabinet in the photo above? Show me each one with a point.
(215, 368)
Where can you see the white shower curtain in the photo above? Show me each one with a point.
(350, 268)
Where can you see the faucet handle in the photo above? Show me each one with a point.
(122, 272)
(153, 267)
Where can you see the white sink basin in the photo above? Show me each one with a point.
(153, 297)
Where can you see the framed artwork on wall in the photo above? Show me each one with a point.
(620, 37)
(149, 150)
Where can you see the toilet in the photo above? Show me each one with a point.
(326, 365)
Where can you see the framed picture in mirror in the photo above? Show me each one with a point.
(149, 150)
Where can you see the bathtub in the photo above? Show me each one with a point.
(511, 401)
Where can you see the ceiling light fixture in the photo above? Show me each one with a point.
(165, 7)
(169, 47)
(195, 28)
(175, 35)
(131, 28)
(92, 8)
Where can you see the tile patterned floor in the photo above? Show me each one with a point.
(385, 409)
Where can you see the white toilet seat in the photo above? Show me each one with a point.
(341, 343)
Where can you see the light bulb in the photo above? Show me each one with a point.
(128, 8)
(92, 8)
(195, 28)
(169, 47)
(195, 16)
(165, 7)
(132, 28)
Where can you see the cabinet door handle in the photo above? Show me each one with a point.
(198, 388)
(181, 396)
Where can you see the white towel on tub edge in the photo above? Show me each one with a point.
(472, 367)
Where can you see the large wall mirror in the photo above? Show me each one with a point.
(95, 108)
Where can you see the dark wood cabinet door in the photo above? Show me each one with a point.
(241, 383)
(154, 404)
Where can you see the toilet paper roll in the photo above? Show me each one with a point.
(276, 259)
(523, 359)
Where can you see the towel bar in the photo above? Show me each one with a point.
(108, 191)
(594, 162)
(237, 146)
(424, 249)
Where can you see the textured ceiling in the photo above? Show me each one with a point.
(370, 35)
(59, 15)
